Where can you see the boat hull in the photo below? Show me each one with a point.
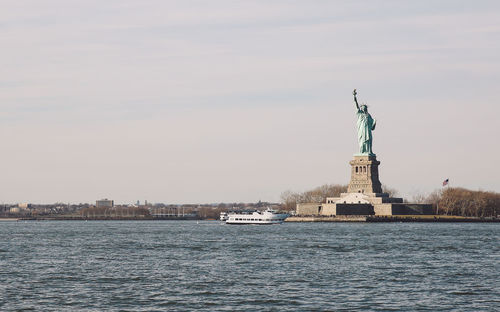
(250, 222)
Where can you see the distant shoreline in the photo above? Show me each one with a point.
(353, 218)
(70, 218)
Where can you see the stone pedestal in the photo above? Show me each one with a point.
(364, 196)
(364, 175)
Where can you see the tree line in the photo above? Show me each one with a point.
(458, 201)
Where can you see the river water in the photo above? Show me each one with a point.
(209, 266)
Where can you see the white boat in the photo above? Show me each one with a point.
(223, 216)
(267, 216)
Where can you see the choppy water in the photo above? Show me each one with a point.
(186, 266)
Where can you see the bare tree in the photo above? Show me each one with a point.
(319, 194)
(418, 198)
(389, 190)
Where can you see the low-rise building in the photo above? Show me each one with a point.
(104, 203)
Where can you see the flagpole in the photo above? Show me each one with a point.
(445, 183)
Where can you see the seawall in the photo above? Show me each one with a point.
(395, 218)
(326, 219)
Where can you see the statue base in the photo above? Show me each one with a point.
(365, 154)
(364, 195)
(378, 204)
(364, 175)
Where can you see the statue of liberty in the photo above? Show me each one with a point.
(366, 124)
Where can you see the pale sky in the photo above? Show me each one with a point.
(224, 101)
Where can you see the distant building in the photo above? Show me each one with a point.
(104, 203)
(15, 210)
(24, 205)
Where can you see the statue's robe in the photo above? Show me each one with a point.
(365, 126)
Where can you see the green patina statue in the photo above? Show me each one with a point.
(366, 124)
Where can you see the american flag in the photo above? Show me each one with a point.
(445, 182)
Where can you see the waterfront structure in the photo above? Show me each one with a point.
(170, 212)
(105, 203)
(224, 216)
(364, 194)
(15, 210)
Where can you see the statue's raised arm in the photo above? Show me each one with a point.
(355, 99)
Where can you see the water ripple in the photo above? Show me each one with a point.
(186, 266)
